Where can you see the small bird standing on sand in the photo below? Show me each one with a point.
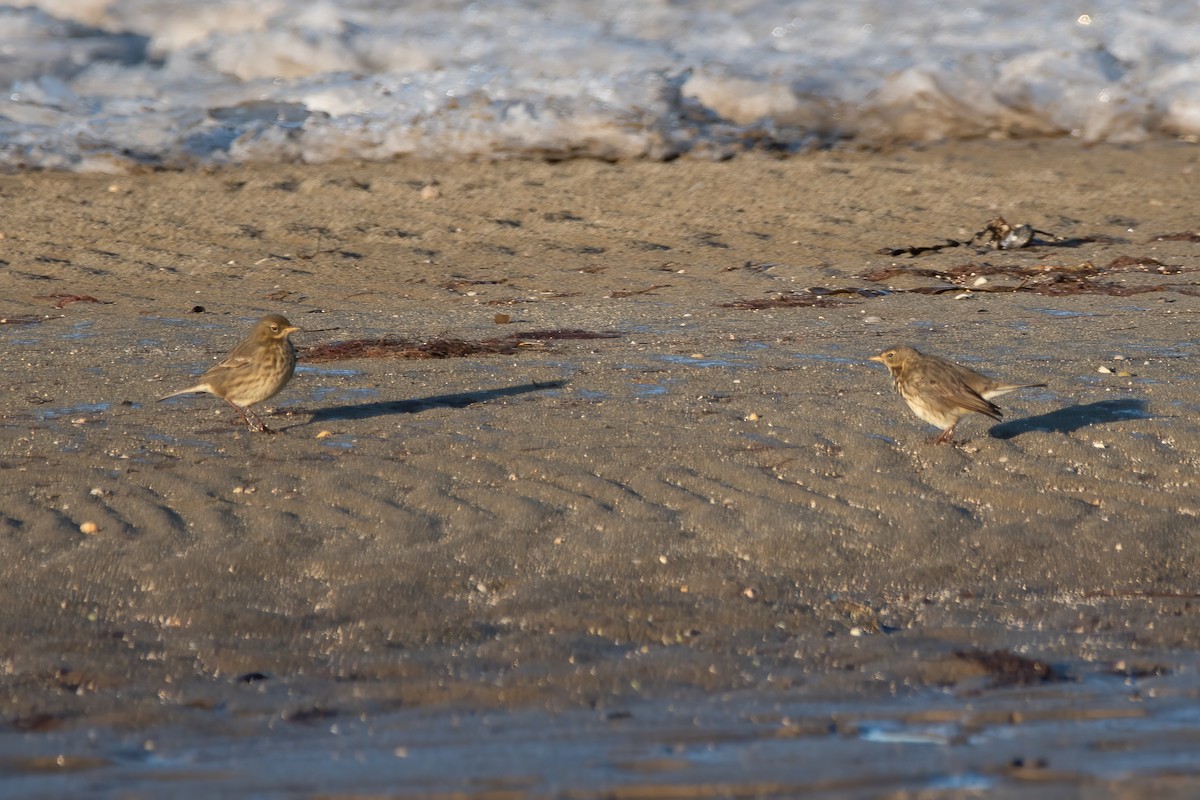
(254, 371)
(940, 392)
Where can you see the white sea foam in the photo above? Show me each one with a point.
(106, 84)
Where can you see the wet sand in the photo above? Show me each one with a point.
(715, 523)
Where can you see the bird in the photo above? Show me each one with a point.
(255, 370)
(941, 392)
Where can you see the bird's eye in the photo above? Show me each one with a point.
(275, 328)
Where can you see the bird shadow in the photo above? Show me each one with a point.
(1072, 418)
(416, 405)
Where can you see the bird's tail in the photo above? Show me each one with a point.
(1010, 387)
(200, 387)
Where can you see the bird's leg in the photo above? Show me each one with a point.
(245, 414)
(262, 426)
(945, 436)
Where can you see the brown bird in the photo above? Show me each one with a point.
(940, 392)
(255, 370)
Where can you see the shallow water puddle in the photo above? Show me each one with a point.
(1063, 313)
(896, 732)
(79, 330)
(701, 361)
(48, 414)
(648, 389)
(1159, 351)
(963, 782)
(749, 745)
(334, 372)
(344, 394)
(825, 358)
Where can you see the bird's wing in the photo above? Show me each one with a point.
(238, 358)
(957, 391)
(233, 361)
(969, 399)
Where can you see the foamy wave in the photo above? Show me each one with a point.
(108, 84)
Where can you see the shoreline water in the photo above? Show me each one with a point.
(714, 500)
(117, 85)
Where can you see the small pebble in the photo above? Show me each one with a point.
(980, 281)
(430, 192)
(324, 434)
(88, 528)
(963, 296)
(502, 319)
(872, 320)
(751, 417)
(1104, 370)
(79, 421)
(1099, 445)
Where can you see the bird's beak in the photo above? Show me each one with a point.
(291, 329)
(876, 358)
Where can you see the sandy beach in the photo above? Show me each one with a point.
(662, 490)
